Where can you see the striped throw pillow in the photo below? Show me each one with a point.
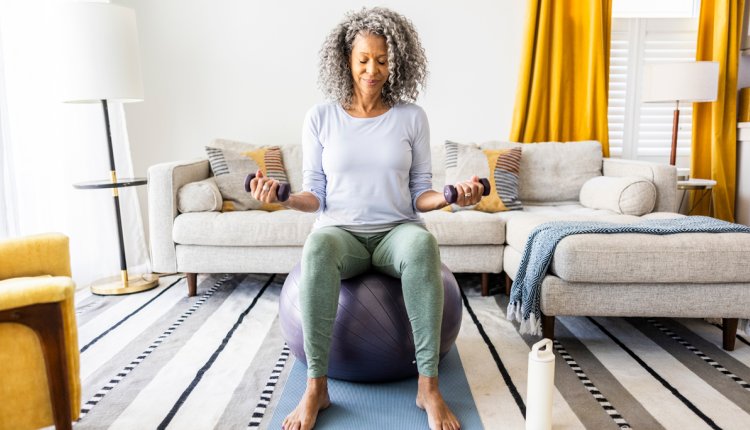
(500, 167)
(231, 167)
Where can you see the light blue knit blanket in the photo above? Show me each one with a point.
(540, 248)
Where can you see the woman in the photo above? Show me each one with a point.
(367, 171)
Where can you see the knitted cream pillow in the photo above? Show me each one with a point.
(628, 195)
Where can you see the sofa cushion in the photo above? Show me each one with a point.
(293, 164)
(636, 258)
(520, 226)
(629, 195)
(231, 166)
(290, 228)
(646, 258)
(243, 228)
(437, 157)
(199, 196)
(499, 166)
(554, 172)
(465, 227)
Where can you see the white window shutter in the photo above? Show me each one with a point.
(666, 40)
(644, 130)
(618, 86)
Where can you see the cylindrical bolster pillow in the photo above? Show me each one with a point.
(201, 196)
(629, 195)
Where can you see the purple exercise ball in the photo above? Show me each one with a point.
(372, 338)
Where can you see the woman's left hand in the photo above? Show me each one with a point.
(469, 192)
(264, 189)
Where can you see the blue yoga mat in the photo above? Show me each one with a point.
(383, 405)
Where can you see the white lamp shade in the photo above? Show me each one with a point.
(693, 81)
(98, 53)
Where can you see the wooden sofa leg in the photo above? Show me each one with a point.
(47, 321)
(485, 284)
(508, 284)
(729, 328)
(192, 279)
(548, 327)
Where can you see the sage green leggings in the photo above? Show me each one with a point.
(407, 251)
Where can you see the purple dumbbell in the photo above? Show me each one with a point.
(451, 195)
(282, 193)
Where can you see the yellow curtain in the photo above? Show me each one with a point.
(564, 79)
(714, 147)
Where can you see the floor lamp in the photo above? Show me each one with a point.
(98, 45)
(687, 82)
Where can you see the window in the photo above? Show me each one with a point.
(638, 130)
(655, 9)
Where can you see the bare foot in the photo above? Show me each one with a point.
(439, 417)
(313, 401)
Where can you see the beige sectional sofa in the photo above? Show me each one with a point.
(693, 275)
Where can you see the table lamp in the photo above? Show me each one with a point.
(690, 81)
(98, 45)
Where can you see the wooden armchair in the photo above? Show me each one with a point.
(39, 376)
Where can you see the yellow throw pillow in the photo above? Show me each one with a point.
(231, 167)
(500, 167)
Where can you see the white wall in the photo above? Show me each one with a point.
(247, 70)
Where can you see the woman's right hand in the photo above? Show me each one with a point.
(263, 188)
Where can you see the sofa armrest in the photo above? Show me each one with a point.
(663, 176)
(164, 180)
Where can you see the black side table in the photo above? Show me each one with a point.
(122, 284)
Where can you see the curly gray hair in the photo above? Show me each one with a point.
(407, 64)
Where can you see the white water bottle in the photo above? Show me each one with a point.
(540, 385)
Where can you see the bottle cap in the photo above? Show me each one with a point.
(542, 351)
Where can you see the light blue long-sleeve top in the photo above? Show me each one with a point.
(367, 173)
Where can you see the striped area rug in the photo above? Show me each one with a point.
(160, 359)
